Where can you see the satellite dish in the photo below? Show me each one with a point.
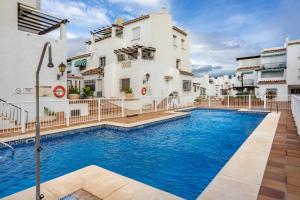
(119, 21)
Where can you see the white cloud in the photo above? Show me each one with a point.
(79, 13)
(142, 3)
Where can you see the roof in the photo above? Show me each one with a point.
(273, 50)
(247, 57)
(294, 42)
(91, 71)
(136, 19)
(179, 30)
(72, 76)
(34, 21)
(272, 82)
(248, 68)
(186, 73)
(84, 55)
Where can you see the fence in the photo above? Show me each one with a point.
(270, 103)
(72, 112)
(296, 111)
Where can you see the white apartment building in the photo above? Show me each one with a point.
(275, 72)
(146, 52)
(23, 33)
(246, 74)
(217, 86)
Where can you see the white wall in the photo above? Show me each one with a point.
(155, 31)
(293, 64)
(20, 53)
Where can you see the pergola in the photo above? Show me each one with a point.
(134, 49)
(34, 21)
(105, 32)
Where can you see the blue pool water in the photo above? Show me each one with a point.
(180, 156)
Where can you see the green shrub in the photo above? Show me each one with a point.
(87, 92)
(73, 90)
(128, 91)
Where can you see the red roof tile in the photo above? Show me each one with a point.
(248, 68)
(272, 82)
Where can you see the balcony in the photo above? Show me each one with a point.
(273, 66)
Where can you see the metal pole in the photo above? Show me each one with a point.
(38, 147)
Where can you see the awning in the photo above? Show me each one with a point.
(80, 63)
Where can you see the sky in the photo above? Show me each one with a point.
(219, 30)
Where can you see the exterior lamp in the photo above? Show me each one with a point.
(147, 77)
(62, 68)
(241, 78)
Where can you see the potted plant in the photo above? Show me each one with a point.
(129, 92)
(87, 92)
(73, 93)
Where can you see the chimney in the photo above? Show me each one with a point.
(286, 41)
(38, 4)
(164, 10)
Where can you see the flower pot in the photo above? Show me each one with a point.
(73, 96)
(129, 95)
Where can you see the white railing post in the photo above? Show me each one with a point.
(228, 101)
(122, 105)
(141, 104)
(155, 106)
(99, 110)
(68, 113)
(209, 101)
(265, 101)
(23, 119)
(249, 99)
(168, 103)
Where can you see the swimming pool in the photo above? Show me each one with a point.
(180, 156)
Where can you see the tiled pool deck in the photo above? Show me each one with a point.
(240, 178)
(282, 175)
(99, 183)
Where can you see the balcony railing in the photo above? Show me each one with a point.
(276, 65)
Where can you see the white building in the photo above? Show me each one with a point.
(217, 86)
(275, 72)
(146, 52)
(246, 74)
(23, 34)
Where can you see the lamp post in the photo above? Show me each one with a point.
(241, 78)
(38, 147)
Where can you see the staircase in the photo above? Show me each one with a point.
(10, 116)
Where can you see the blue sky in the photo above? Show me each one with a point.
(220, 30)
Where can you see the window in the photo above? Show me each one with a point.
(295, 91)
(124, 84)
(175, 40)
(271, 93)
(136, 33)
(147, 55)
(178, 63)
(182, 44)
(121, 57)
(270, 74)
(102, 62)
(186, 85)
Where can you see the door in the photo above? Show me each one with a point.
(99, 92)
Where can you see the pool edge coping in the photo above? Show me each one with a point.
(241, 176)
